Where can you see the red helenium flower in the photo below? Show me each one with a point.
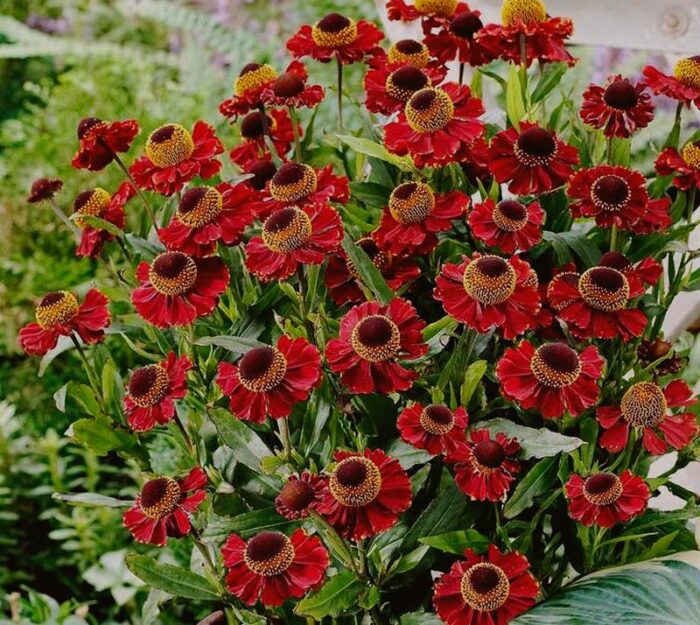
(44, 189)
(59, 314)
(174, 157)
(98, 203)
(553, 378)
(646, 407)
(366, 494)
(300, 495)
(164, 506)
(291, 89)
(684, 166)
(509, 226)
(270, 380)
(272, 568)
(645, 273)
(619, 109)
(485, 467)
(437, 126)
(248, 87)
(430, 12)
(532, 160)
(435, 428)
(336, 36)
(389, 86)
(373, 339)
(604, 499)
(206, 215)
(152, 391)
(491, 589)
(456, 39)
(101, 141)
(487, 292)
(683, 86)
(253, 146)
(176, 288)
(415, 215)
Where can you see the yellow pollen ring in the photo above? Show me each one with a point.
(441, 8)
(417, 59)
(167, 502)
(691, 154)
(601, 298)
(491, 599)
(338, 39)
(176, 285)
(297, 190)
(96, 204)
(514, 12)
(376, 351)
(159, 386)
(414, 208)
(254, 79)
(489, 290)
(169, 145)
(548, 375)
(432, 118)
(206, 209)
(508, 224)
(607, 496)
(644, 405)
(432, 426)
(291, 236)
(268, 379)
(687, 71)
(57, 312)
(276, 564)
(358, 495)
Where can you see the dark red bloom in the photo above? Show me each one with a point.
(603, 499)
(247, 89)
(597, 305)
(262, 170)
(660, 354)
(487, 292)
(44, 189)
(253, 145)
(684, 166)
(164, 506)
(533, 160)
(366, 493)
(291, 237)
(389, 86)
(437, 126)
(291, 89)
(644, 274)
(373, 339)
(485, 467)
(344, 283)
(485, 590)
(300, 495)
(272, 568)
(174, 157)
(435, 428)
(58, 314)
(336, 36)
(428, 11)
(176, 288)
(553, 378)
(683, 86)
(619, 109)
(152, 391)
(206, 215)
(98, 203)
(617, 196)
(509, 225)
(455, 38)
(415, 215)
(271, 380)
(101, 141)
(647, 408)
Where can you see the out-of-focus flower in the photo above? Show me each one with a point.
(101, 141)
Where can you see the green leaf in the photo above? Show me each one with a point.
(457, 542)
(92, 500)
(536, 482)
(420, 618)
(63, 345)
(368, 271)
(536, 442)
(578, 242)
(174, 580)
(551, 76)
(370, 148)
(338, 594)
(472, 379)
(250, 523)
(515, 104)
(235, 344)
(246, 445)
(99, 224)
(662, 591)
(99, 436)
(407, 455)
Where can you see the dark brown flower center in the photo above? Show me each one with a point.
(610, 192)
(485, 587)
(604, 288)
(409, 46)
(159, 497)
(252, 125)
(621, 95)
(199, 206)
(376, 338)
(148, 385)
(355, 482)
(296, 495)
(489, 454)
(555, 365)
(286, 230)
(269, 553)
(262, 171)
(173, 273)
(535, 146)
(510, 215)
(602, 489)
(86, 124)
(437, 419)
(429, 110)
(489, 280)
(409, 51)
(169, 145)
(411, 202)
(616, 260)
(262, 369)
(249, 67)
(56, 308)
(288, 85)
(466, 25)
(293, 182)
(644, 405)
(333, 23)
(404, 82)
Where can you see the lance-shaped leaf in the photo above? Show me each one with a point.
(371, 277)
(338, 594)
(174, 580)
(536, 442)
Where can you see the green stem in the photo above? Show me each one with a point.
(340, 95)
(613, 237)
(185, 435)
(336, 540)
(142, 197)
(92, 376)
(267, 138)
(283, 424)
(64, 219)
(295, 128)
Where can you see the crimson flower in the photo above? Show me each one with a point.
(597, 305)
(101, 141)
(415, 215)
(645, 273)
(336, 36)
(373, 338)
(366, 493)
(164, 506)
(485, 467)
(389, 86)
(487, 292)
(300, 495)
(176, 288)
(619, 109)
(290, 89)
(435, 428)
(646, 407)
(455, 38)
(44, 189)
(253, 146)
(604, 499)
(272, 568)
(271, 380)
(683, 86)
(437, 126)
(684, 166)
(428, 11)
(262, 170)
(617, 196)
(59, 314)
(553, 378)
(174, 157)
(206, 215)
(247, 89)
(152, 391)
(509, 226)
(98, 203)
(533, 160)
(485, 590)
